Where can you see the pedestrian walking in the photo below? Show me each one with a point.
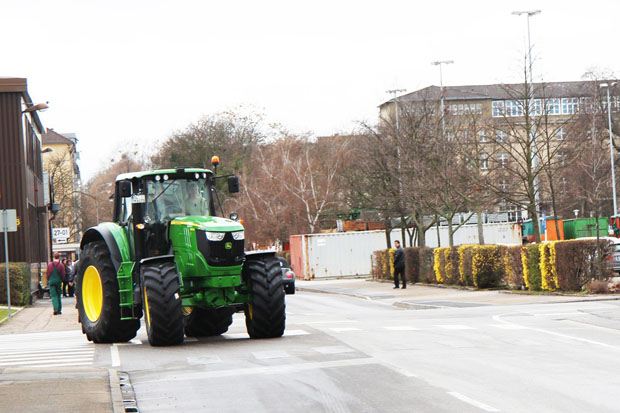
(399, 265)
(55, 277)
(68, 287)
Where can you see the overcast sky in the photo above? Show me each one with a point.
(135, 71)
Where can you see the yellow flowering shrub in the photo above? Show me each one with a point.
(487, 266)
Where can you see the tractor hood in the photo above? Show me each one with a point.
(205, 223)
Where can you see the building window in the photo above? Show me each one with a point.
(503, 186)
(484, 162)
(535, 107)
(561, 158)
(503, 160)
(500, 136)
(513, 108)
(552, 106)
(570, 106)
(560, 134)
(497, 108)
(482, 135)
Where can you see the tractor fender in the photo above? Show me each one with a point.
(159, 258)
(256, 255)
(114, 238)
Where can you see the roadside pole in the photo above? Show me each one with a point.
(9, 224)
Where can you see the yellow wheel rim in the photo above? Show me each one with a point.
(187, 310)
(251, 311)
(92, 293)
(146, 308)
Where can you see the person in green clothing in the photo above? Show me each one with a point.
(55, 277)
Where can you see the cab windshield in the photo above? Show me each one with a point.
(169, 199)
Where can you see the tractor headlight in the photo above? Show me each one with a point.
(215, 236)
(238, 235)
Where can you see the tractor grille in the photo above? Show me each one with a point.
(216, 253)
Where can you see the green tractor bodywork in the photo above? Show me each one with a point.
(173, 260)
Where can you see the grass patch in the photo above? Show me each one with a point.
(4, 313)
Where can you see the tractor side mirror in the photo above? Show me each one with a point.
(234, 216)
(233, 184)
(124, 188)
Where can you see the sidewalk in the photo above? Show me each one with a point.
(428, 297)
(66, 389)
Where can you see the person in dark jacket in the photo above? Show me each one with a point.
(399, 265)
(55, 277)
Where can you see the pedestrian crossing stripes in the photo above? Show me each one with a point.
(49, 349)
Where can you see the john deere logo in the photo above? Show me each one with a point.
(228, 246)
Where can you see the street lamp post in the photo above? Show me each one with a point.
(528, 14)
(440, 63)
(394, 93)
(611, 146)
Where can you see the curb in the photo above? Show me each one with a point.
(317, 290)
(115, 392)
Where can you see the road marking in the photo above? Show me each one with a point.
(135, 341)
(48, 349)
(454, 327)
(204, 360)
(266, 370)
(344, 329)
(290, 333)
(116, 357)
(331, 321)
(267, 355)
(473, 402)
(333, 349)
(508, 326)
(235, 336)
(498, 318)
(401, 328)
(190, 339)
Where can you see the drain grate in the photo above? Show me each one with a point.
(129, 397)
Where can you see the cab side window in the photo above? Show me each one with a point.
(125, 209)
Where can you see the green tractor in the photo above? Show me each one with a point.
(167, 255)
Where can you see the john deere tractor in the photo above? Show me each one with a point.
(168, 257)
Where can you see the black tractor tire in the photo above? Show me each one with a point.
(161, 303)
(108, 327)
(205, 322)
(265, 315)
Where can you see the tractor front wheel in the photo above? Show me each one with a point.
(205, 322)
(162, 304)
(265, 314)
(98, 298)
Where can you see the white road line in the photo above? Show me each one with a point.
(266, 370)
(116, 357)
(331, 321)
(204, 360)
(498, 318)
(401, 328)
(135, 341)
(344, 329)
(333, 349)
(508, 326)
(454, 327)
(266, 355)
(473, 402)
(47, 361)
(47, 351)
(236, 336)
(190, 339)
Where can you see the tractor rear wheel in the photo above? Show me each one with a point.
(162, 304)
(98, 299)
(265, 314)
(204, 322)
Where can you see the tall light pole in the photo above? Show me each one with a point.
(528, 14)
(440, 63)
(611, 146)
(394, 93)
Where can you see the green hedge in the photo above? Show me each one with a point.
(549, 266)
(19, 276)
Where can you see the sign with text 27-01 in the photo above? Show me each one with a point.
(60, 234)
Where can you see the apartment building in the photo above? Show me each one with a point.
(556, 112)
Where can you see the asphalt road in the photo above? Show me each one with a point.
(346, 354)
(343, 354)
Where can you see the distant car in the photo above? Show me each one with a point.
(288, 277)
(615, 260)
